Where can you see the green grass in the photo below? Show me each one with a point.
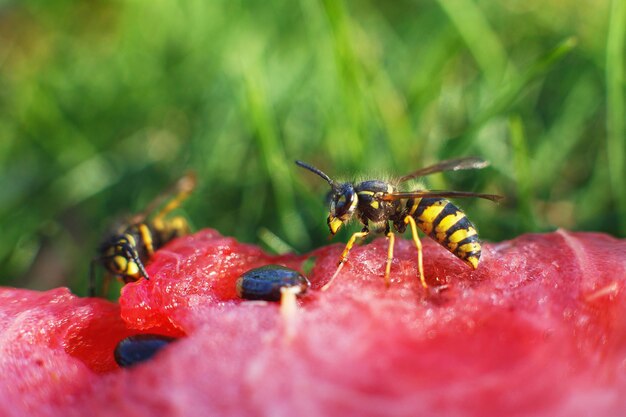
(105, 104)
(616, 108)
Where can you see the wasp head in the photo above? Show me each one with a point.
(119, 256)
(343, 199)
(343, 204)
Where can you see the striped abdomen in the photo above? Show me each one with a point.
(447, 224)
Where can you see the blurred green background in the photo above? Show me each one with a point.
(104, 104)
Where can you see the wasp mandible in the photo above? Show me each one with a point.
(378, 203)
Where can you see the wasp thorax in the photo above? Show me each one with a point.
(343, 204)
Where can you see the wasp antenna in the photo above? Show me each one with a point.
(316, 171)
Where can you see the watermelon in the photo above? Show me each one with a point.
(538, 329)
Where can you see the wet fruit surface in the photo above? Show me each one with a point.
(538, 329)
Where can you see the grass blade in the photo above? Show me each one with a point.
(616, 107)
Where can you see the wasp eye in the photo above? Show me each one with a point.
(341, 202)
(344, 202)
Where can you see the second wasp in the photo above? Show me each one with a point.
(127, 247)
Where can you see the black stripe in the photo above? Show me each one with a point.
(467, 255)
(469, 239)
(448, 209)
(424, 204)
(462, 224)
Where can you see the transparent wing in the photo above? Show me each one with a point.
(443, 194)
(184, 185)
(447, 165)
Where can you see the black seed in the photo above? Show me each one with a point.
(139, 348)
(265, 283)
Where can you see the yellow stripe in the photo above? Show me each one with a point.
(146, 236)
(461, 234)
(449, 221)
(416, 202)
(469, 247)
(429, 215)
(366, 192)
(445, 224)
(472, 261)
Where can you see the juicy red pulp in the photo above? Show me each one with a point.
(537, 329)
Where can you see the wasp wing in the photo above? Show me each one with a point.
(443, 194)
(184, 186)
(447, 165)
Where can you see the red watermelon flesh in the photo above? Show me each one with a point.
(537, 330)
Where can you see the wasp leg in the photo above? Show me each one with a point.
(106, 282)
(178, 226)
(392, 240)
(418, 244)
(344, 255)
(106, 279)
(146, 237)
(186, 186)
(91, 289)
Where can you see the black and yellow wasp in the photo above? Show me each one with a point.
(377, 203)
(130, 245)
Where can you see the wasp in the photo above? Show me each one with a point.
(130, 245)
(378, 203)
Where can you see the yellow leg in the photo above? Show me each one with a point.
(106, 282)
(185, 186)
(344, 256)
(392, 240)
(418, 244)
(180, 225)
(147, 238)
